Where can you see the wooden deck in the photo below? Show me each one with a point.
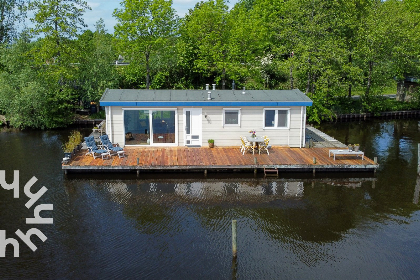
(219, 159)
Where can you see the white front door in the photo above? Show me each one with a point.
(192, 126)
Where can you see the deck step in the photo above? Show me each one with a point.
(271, 172)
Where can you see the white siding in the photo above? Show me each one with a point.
(117, 125)
(251, 119)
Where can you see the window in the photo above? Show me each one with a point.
(231, 117)
(276, 118)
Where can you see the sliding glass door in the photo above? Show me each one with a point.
(150, 127)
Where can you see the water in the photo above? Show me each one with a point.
(178, 226)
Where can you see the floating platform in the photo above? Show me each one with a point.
(219, 159)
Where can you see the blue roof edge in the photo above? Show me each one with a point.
(204, 103)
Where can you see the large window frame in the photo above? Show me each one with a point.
(276, 117)
(150, 112)
(238, 110)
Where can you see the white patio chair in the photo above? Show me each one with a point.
(264, 146)
(246, 146)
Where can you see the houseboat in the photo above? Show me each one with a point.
(141, 117)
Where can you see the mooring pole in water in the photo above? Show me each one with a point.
(418, 158)
(417, 191)
(234, 268)
(255, 169)
(234, 252)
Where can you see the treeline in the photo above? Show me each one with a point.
(331, 50)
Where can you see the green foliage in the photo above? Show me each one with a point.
(95, 72)
(57, 18)
(331, 50)
(99, 115)
(75, 139)
(11, 14)
(31, 96)
(145, 28)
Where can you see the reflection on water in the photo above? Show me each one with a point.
(177, 226)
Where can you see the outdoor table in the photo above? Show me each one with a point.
(345, 152)
(255, 142)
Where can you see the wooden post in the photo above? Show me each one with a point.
(375, 160)
(138, 173)
(418, 158)
(234, 251)
(314, 160)
(255, 161)
(417, 191)
(205, 172)
(234, 268)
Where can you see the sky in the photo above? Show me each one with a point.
(104, 8)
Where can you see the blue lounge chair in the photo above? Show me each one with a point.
(108, 145)
(94, 150)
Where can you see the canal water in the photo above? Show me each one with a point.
(178, 226)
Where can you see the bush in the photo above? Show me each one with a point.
(75, 139)
(99, 115)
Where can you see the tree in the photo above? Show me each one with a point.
(205, 31)
(249, 57)
(11, 12)
(96, 67)
(144, 27)
(22, 94)
(57, 20)
(52, 59)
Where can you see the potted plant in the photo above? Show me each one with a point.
(253, 133)
(74, 142)
(356, 147)
(351, 147)
(211, 143)
(68, 149)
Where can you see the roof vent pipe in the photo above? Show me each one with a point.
(209, 95)
(214, 86)
(207, 86)
(243, 92)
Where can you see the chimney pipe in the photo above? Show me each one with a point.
(207, 86)
(214, 86)
(209, 95)
(233, 85)
(243, 92)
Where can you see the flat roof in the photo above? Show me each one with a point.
(144, 97)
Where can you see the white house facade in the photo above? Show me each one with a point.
(191, 117)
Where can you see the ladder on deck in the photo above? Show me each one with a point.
(271, 172)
